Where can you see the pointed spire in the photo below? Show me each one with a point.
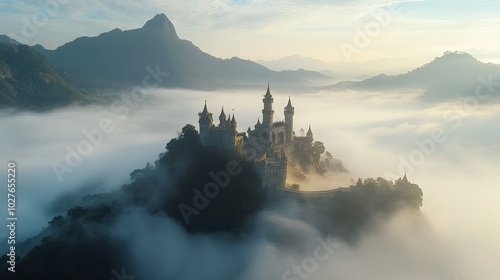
(405, 180)
(222, 114)
(289, 105)
(289, 102)
(205, 116)
(205, 110)
(309, 132)
(268, 93)
(233, 120)
(258, 121)
(359, 182)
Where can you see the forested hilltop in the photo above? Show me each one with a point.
(173, 190)
(28, 80)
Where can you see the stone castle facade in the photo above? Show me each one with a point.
(269, 144)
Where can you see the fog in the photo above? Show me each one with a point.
(374, 134)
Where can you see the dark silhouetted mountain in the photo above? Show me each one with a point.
(28, 80)
(8, 40)
(452, 75)
(127, 57)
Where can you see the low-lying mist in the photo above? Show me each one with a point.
(450, 149)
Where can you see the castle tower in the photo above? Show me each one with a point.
(309, 133)
(205, 123)
(268, 113)
(222, 118)
(289, 112)
(283, 170)
(233, 124)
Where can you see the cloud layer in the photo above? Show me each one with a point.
(370, 132)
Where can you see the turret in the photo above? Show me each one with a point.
(289, 112)
(205, 123)
(233, 123)
(268, 112)
(309, 133)
(359, 183)
(222, 118)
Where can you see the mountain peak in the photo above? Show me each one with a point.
(162, 24)
(457, 57)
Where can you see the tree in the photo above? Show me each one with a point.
(56, 221)
(294, 186)
(189, 132)
(384, 184)
(318, 148)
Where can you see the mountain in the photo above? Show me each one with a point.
(455, 74)
(28, 80)
(338, 70)
(295, 62)
(8, 40)
(127, 57)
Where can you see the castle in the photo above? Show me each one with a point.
(268, 145)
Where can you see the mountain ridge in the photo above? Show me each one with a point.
(455, 74)
(122, 56)
(27, 80)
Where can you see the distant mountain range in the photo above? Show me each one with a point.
(340, 70)
(455, 74)
(124, 57)
(89, 67)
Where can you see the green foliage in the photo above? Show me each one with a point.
(318, 148)
(27, 80)
(401, 192)
(295, 187)
(352, 210)
(57, 222)
(188, 165)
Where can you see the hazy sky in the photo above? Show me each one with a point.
(263, 29)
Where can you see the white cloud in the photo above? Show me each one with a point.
(459, 182)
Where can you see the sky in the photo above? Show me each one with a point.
(405, 31)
